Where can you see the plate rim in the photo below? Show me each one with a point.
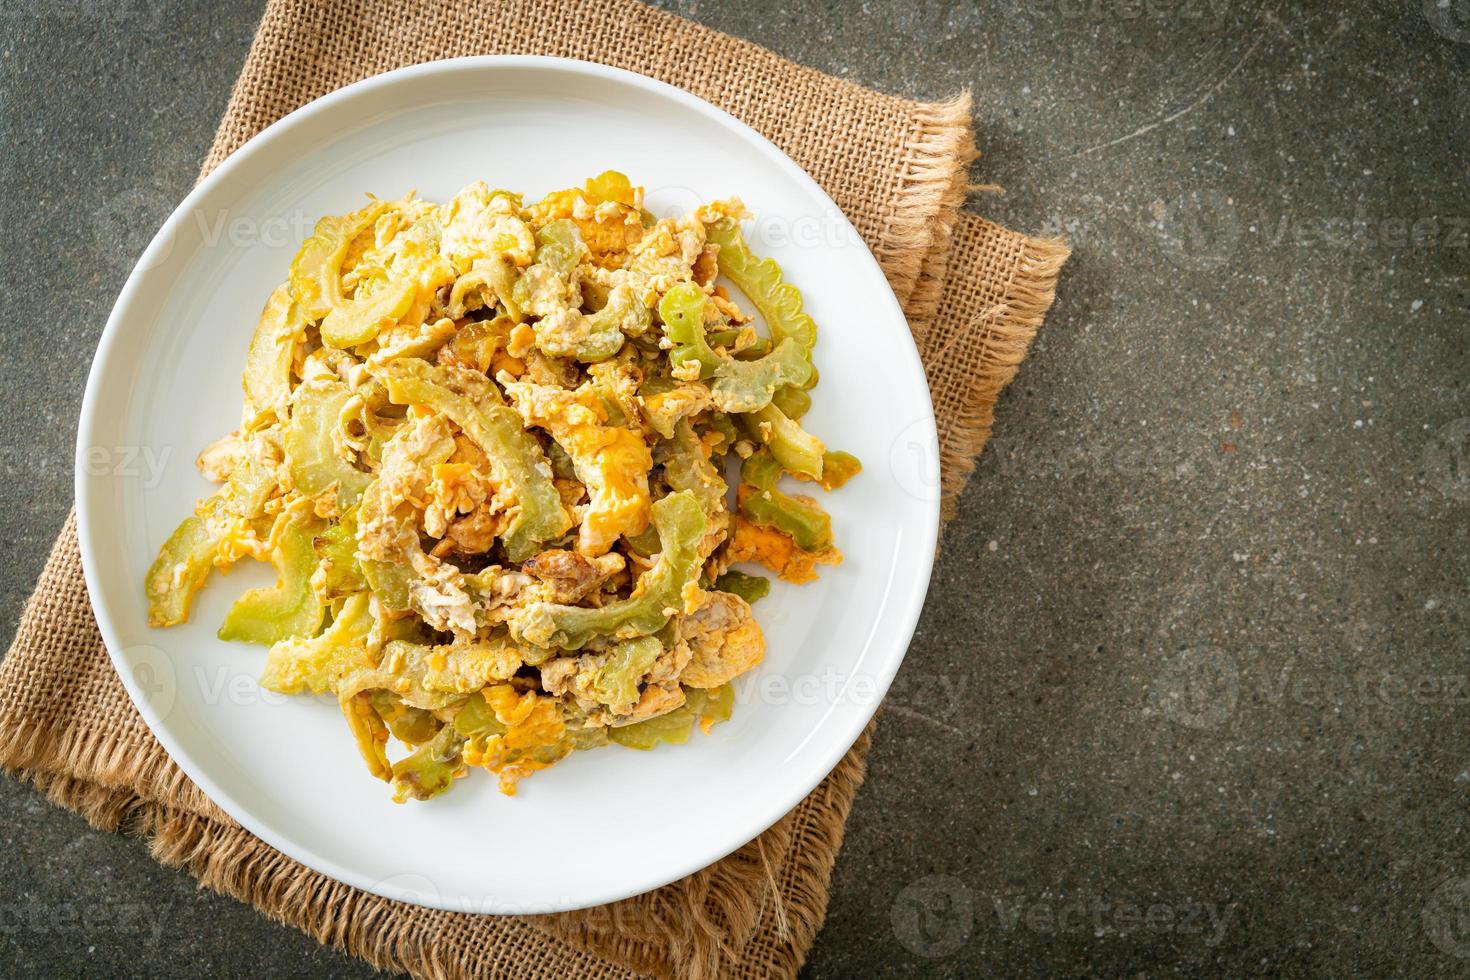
(88, 544)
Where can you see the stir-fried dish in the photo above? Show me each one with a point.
(485, 446)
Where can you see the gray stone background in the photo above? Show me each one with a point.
(1189, 696)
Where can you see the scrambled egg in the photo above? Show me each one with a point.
(480, 224)
(724, 641)
(778, 552)
(609, 228)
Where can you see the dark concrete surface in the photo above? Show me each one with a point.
(1191, 693)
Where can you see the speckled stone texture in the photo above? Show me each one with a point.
(1190, 695)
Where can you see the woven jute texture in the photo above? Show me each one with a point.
(974, 294)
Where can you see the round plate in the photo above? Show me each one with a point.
(604, 824)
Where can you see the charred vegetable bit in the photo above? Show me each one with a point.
(484, 447)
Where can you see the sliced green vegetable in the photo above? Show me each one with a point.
(748, 587)
(624, 315)
(838, 467)
(673, 727)
(377, 418)
(267, 377)
(184, 560)
(182, 566)
(562, 466)
(435, 676)
(729, 435)
(662, 410)
(722, 338)
(760, 348)
(610, 185)
(388, 581)
(387, 566)
(719, 704)
(745, 386)
(316, 663)
(807, 524)
(682, 311)
(687, 467)
(312, 439)
(410, 725)
(760, 280)
(469, 293)
(432, 767)
(616, 681)
(792, 401)
(546, 284)
(503, 276)
(659, 593)
(559, 246)
(316, 271)
(369, 732)
(618, 398)
(337, 548)
(249, 486)
(369, 313)
(794, 448)
(658, 384)
(290, 608)
(477, 719)
(473, 403)
(739, 386)
(644, 543)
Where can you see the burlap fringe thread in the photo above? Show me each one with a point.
(915, 246)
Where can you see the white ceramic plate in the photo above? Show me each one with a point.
(605, 824)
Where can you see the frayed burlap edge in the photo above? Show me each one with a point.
(1008, 330)
(931, 183)
(107, 762)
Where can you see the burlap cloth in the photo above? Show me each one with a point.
(974, 294)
